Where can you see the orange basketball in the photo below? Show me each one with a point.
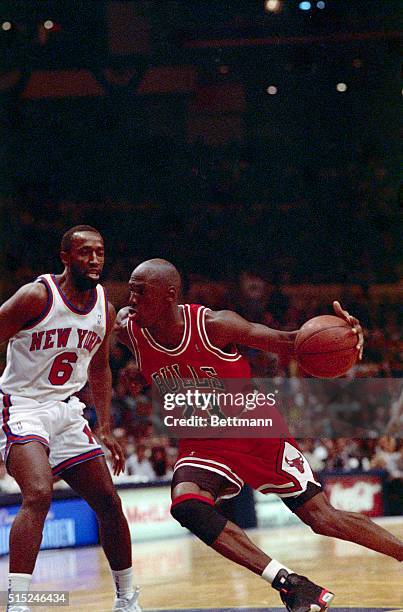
(325, 346)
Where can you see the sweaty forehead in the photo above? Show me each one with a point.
(156, 273)
(144, 277)
(82, 238)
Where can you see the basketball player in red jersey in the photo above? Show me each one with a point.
(58, 329)
(172, 340)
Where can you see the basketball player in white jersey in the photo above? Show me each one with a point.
(58, 330)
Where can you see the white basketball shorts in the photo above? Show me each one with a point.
(60, 426)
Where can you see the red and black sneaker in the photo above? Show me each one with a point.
(300, 594)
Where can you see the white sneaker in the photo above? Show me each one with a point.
(122, 604)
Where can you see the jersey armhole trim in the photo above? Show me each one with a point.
(105, 294)
(134, 344)
(34, 322)
(201, 326)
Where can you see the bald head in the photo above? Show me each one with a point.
(159, 271)
(155, 287)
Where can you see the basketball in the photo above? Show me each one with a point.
(325, 346)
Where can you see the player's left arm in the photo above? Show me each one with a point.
(226, 327)
(119, 331)
(121, 334)
(100, 380)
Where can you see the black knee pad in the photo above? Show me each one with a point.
(200, 517)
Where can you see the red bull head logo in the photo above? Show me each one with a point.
(297, 462)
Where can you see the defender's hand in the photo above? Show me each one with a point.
(355, 324)
(118, 458)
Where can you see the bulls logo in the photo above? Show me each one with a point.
(297, 462)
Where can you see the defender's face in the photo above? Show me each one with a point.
(146, 303)
(85, 259)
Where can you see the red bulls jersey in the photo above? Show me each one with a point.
(194, 358)
(257, 461)
(194, 363)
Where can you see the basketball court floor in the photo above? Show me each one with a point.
(183, 574)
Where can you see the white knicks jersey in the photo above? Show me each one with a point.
(49, 358)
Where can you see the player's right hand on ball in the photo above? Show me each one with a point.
(355, 324)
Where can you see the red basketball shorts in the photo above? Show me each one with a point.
(267, 465)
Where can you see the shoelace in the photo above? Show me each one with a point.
(121, 602)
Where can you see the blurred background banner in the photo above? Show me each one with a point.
(70, 523)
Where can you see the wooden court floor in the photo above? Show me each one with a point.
(184, 574)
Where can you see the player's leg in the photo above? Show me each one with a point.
(92, 481)
(193, 506)
(278, 466)
(194, 493)
(28, 463)
(77, 457)
(323, 519)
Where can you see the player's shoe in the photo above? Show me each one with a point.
(300, 594)
(123, 604)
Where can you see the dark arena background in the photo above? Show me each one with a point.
(255, 144)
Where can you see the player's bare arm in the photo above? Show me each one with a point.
(226, 327)
(100, 379)
(121, 334)
(120, 327)
(25, 305)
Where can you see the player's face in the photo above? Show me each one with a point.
(146, 301)
(86, 259)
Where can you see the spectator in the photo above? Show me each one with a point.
(389, 457)
(138, 464)
(159, 462)
(315, 452)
